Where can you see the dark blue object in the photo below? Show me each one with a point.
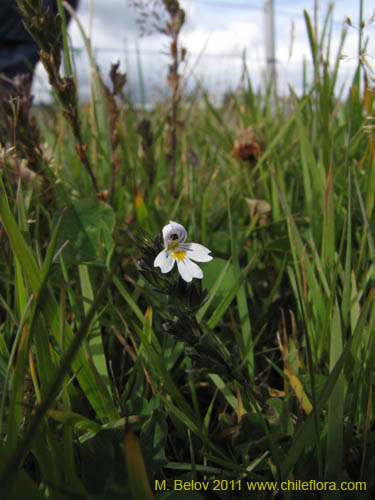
(18, 51)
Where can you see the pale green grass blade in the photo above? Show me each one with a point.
(7, 474)
(196, 428)
(243, 311)
(328, 236)
(4, 353)
(157, 363)
(300, 258)
(38, 331)
(226, 301)
(369, 234)
(15, 410)
(20, 286)
(212, 292)
(64, 33)
(39, 334)
(209, 413)
(225, 391)
(20, 248)
(95, 338)
(335, 72)
(305, 434)
(17, 392)
(128, 299)
(307, 164)
(74, 420)
(319, 267)
(335, 445)
(271, 147)
(50, 311)
(345, 308)
(192, 387)
(312, 39)
(181, 409)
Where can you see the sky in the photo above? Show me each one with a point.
(218, 35)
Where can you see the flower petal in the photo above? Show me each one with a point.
(197, 252)
(174, 228)
(189, 270)
(164, 261)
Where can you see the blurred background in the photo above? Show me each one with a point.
(219, 36)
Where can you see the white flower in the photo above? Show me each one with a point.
(176, 250)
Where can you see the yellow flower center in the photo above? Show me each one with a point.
(179, 254)
(172, 244)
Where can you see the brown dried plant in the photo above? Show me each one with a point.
(46, 29)
(19, 132)
(118, 81)
(247, 146)
(17, 125)
(167, 17)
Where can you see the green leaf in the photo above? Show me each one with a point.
(101, 402)
(334, 451)
(75, 420)
(228, 297)
(224, 389)
(88, 225)
(97, 456)
(212, 270)
(220, 242)
(305, 434)
(154, 439)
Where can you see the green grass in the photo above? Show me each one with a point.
(108, 385)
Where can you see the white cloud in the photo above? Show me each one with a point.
(225, 41)
(215, 38)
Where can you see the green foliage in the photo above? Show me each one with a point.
(113, 375)
(87, 225)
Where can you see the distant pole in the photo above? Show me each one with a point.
(269, 31)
